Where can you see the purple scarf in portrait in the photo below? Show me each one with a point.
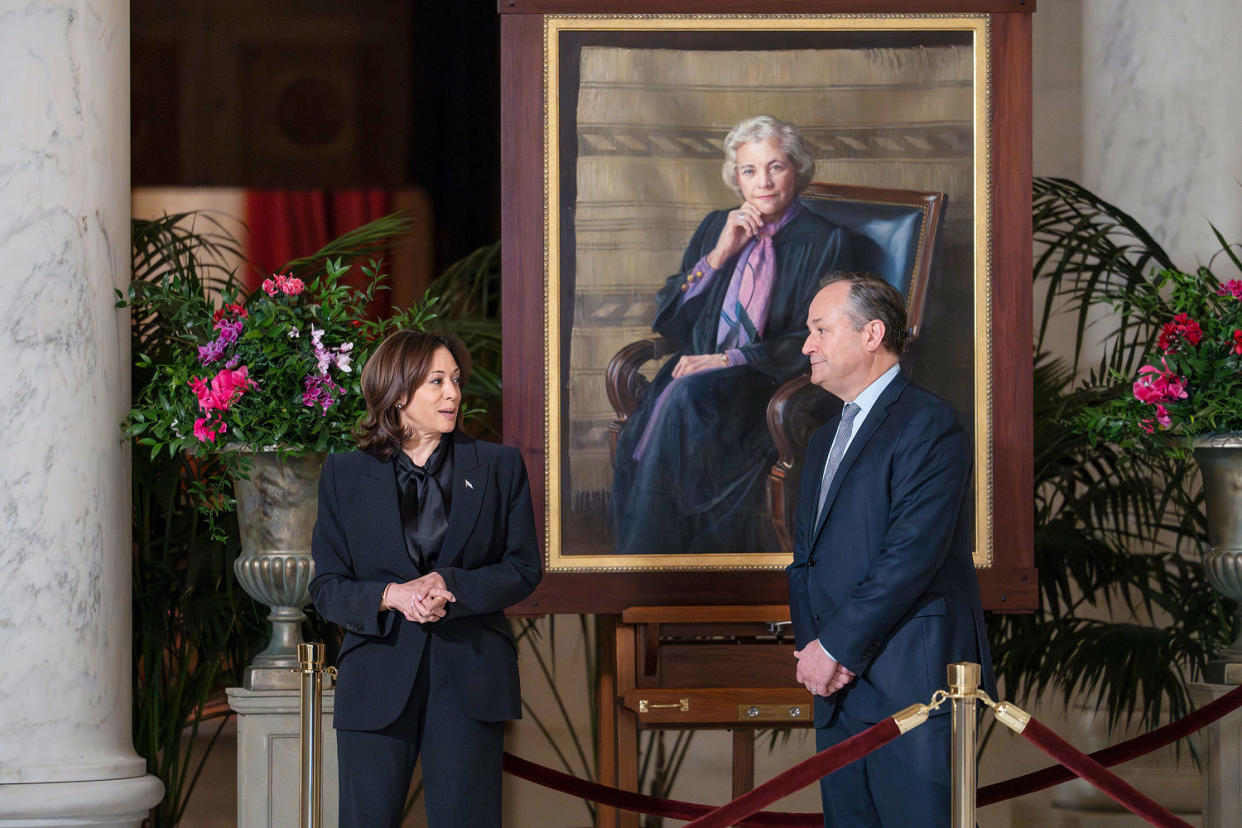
(745, 308)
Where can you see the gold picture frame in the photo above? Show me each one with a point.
(957, 45)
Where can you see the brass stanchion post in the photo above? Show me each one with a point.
(310, 665)
(963, 690)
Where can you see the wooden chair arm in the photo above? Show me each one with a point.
(796, 409)
(623, 379)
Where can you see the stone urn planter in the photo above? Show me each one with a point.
(1220, 461)
(276, 510)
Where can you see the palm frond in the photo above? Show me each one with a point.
(369, 240)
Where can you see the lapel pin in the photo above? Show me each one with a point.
(469, 485)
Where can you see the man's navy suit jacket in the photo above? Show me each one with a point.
(884, 579)
(489, 560)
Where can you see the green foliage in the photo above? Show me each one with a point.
(1191, 383)
(278, 367)
(1126, 616)
(194, 629)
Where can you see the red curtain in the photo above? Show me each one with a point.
(289, 224)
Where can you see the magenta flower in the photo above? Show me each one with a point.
(320, 391)
(206, 432)
(1155, 386)
(1162, 416)
(1237, 341)
(291, 286)
(1231, 288)
(226, 388)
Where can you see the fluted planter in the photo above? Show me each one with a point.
(275, 513)
(1220, 461)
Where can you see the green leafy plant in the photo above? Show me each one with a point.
(1190, 384)
(1126, 616)
(194, 629)
(273, 369)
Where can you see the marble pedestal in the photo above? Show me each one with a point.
(269, 758)
(1222, 761)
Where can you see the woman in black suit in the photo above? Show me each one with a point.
(424, 536)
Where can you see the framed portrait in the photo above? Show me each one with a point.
(627, 124)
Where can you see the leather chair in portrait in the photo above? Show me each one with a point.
(896, 232)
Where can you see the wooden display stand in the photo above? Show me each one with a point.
(674, 667)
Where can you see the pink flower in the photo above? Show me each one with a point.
(1237, 342)
(1154, 385)
(226, 388)
(1162, 416)
(282, 283)
(1231, 288)
(206, 432)
(1147, 426)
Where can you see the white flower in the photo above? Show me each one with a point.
(342, 361)
(294, 333)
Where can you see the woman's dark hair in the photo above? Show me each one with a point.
(397, 368)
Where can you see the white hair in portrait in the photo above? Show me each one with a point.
(763, 128)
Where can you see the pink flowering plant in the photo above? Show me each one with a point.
(1189, 383)
(277, 369)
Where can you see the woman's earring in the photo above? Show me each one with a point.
(400, 406)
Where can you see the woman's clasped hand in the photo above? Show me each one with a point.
(423, 600)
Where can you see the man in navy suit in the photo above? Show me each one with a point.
(882, 588)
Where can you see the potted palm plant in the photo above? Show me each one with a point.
(1127, 618)
(1186, 397)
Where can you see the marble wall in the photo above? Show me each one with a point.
(64, 371)
(1161, 117)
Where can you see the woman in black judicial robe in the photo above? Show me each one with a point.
(424, 536)
(691, 463)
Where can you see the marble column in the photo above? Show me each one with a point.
(66, 755)
(1161, 120)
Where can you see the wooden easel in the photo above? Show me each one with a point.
(667, 667)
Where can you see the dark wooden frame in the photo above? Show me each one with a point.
(1009, 584)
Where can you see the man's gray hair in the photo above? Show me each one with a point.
(763, 128)
(871, 298)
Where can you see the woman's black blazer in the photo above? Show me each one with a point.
(490, 560)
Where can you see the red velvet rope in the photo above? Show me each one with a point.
(1104, 779)
(800, 775)
(1117, 754)
(643, 804)
(834, 758)
(741, 811)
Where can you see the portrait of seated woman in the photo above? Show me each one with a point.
(688, 477)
